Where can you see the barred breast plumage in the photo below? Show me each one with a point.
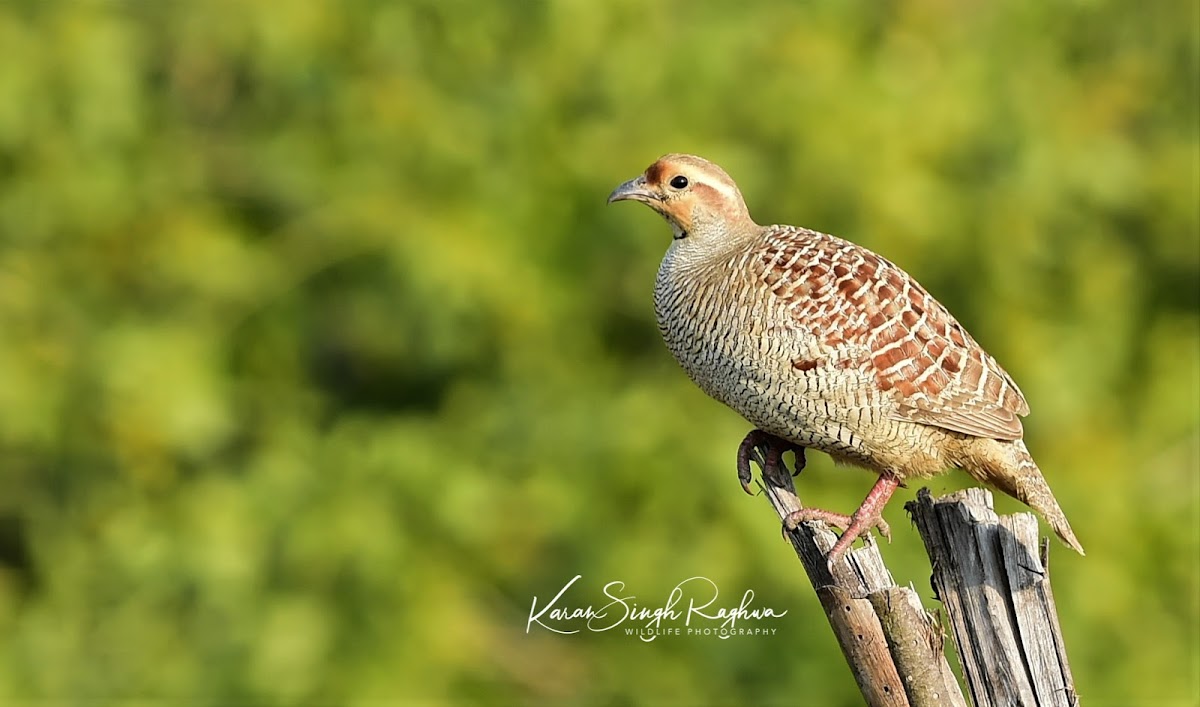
(824, 344)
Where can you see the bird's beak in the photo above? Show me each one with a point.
(635, 189)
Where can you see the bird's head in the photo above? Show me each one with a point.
(695, 196)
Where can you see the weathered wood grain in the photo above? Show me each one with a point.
(893, 648)
(915, 641)
(996, 592)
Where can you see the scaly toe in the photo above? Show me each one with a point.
(766, 450)
(747, 451)
(837, 520)
(884, 529)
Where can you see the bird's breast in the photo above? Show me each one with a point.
(716, 328)
(739, 346)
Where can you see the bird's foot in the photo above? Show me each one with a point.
(869, 515)
(852, 527)
(766, 450)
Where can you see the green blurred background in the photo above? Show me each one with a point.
(321, 355)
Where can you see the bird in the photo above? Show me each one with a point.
(823, 344)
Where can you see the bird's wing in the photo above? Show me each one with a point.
(848, 296)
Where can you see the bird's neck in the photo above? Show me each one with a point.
(712, 242)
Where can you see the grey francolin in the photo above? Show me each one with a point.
(823, 344)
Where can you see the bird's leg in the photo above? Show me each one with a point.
(767, 451)
(869, 515)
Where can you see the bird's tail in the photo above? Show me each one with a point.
(1021, 479)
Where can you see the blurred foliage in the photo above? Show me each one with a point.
(321, 356)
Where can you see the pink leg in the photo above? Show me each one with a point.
(869, 515)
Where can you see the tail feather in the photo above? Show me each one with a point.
(1021, 479)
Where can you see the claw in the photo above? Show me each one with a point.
(745, 451)
(766, 450)
(801, 462)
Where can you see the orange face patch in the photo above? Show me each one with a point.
(654, 173)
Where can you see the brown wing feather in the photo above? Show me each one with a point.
(915, 348)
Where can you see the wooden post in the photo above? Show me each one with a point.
(989, 576)
(893, 647)
(995, 585)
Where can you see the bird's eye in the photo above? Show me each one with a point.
(679, 182)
